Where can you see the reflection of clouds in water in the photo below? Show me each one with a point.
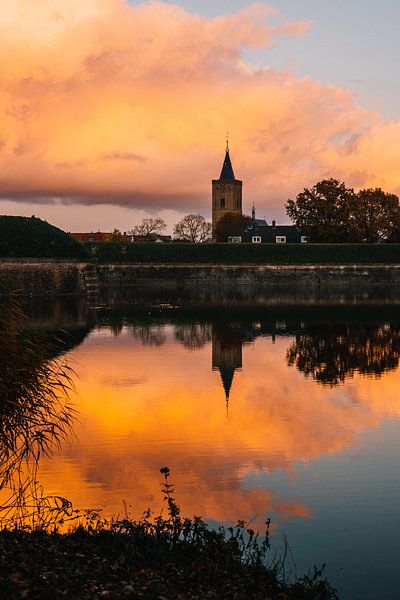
(177, 416)
(121, 382)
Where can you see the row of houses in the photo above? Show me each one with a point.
(259, 232)
(100, 236)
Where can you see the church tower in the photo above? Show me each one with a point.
(226, 192)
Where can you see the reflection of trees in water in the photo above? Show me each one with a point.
(149, 333)
(330, 354)
(193, 335)
(35, 416)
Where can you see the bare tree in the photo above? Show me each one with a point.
(149, 226)
(193, 228)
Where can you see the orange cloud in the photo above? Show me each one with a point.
(107, 102)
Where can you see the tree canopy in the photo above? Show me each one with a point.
(231, 224)
(331, 212)
(148, 227)
(377, 215)
(193, 228)
(324, 211)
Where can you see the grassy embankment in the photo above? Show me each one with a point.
(29, 237)
(236, 254)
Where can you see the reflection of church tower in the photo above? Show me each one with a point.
(226, 192)
(226, 353)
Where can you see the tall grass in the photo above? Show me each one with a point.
(35, 417)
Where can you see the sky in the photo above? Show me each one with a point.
(112, 111)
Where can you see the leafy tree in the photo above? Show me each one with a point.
(325, 211)
(231, 224)
(377, 215)
(117, 236)
(193, 228)
(148, 227)
(331, 212)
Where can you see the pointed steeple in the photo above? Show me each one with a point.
(227, 170)
(227, 379)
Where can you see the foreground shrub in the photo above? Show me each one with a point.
(163, 557)
(236, 254)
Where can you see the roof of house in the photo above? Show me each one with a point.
(260, 222)
(286, 229)
(269, 233)
(93, 236)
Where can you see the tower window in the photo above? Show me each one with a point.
(222, 202)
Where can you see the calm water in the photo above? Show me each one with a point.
(292, 414)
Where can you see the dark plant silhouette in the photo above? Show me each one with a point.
(166, 556)
(231, 224)
(332, 213)
(35, 414)
(330, 354)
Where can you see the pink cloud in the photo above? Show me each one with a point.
(152, 89)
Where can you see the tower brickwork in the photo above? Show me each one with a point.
(226, 192)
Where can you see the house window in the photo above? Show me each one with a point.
(303, 239)
(280, 239)
(222, 202)
(256, 239)
(234, 239)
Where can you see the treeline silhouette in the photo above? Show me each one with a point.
(332, 353)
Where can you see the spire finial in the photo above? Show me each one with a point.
(227, 141)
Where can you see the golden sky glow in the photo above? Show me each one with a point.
(145, 406)
(103, 101)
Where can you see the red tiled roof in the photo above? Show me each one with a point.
(93, 236)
